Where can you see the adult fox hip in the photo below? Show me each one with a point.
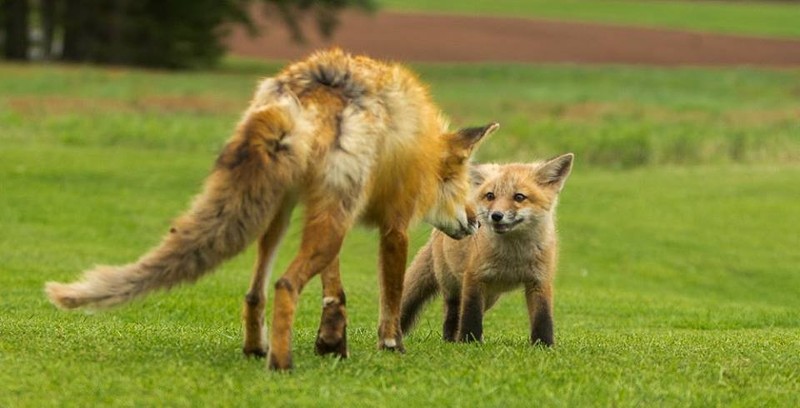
(352, 139)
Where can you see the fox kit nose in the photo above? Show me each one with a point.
(497, 216)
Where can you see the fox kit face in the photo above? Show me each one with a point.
(453, 212)
(519, 196)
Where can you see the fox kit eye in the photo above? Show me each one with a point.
(519, 197)
(490, 196)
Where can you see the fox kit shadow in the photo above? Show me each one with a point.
(516, 247)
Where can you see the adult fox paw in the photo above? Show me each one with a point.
(280, 363)
(392, 344)
(257, 352)
(336, 346)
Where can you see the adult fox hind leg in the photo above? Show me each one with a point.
(539, 298)
(322, 239)
(255, 301)
(332, 333)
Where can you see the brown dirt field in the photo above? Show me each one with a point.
(35, 106)
(451, 38)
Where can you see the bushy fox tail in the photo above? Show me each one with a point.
(419, 288)
(239, 200)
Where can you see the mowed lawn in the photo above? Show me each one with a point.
(678, 282)
(758, 18)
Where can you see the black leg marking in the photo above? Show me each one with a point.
(450, 326)
(472, 319)
(542, 325)
(252, 299)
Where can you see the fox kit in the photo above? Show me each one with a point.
(515, 247)
(351, 139)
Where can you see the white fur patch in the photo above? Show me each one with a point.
(270, 95)
(328, 300)
(266, 93)
(403, 111)
(350, 162)
(391, 343)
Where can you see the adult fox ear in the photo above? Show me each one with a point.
(554, 172)
(468, 138)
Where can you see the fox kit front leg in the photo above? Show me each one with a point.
(393, 254)
(470, 326)
(452, 306)
(451, 295)
(539, 297)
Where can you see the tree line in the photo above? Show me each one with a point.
(154, 33)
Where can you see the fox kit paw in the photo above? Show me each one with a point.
(470, 338)
(542, 342)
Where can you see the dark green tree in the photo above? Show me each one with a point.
(325, 13)
(14, 16)
(171, 34)
(155, 33)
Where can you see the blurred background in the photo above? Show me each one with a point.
(196, 34)
(678, 280)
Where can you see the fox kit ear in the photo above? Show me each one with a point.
(467, 138)
(478, 173)
(554, 172)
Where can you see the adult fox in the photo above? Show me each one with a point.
(516, 247)
(352, 139)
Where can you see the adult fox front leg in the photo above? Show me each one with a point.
(393, 253)
(350, 138)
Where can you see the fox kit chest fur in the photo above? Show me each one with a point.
(516, 247)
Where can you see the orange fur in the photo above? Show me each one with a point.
(515, 247)
(349, 137)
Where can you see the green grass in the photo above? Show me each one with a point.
(759, 18)
(617, 117)
(677, 283)
(628, 117)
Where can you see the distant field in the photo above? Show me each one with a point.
(678, 229)
(778, 19)
(619, 117)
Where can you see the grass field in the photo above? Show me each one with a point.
(759, 18)
(678, 279)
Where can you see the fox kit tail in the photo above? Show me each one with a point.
(239, 200)
(419, 288)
